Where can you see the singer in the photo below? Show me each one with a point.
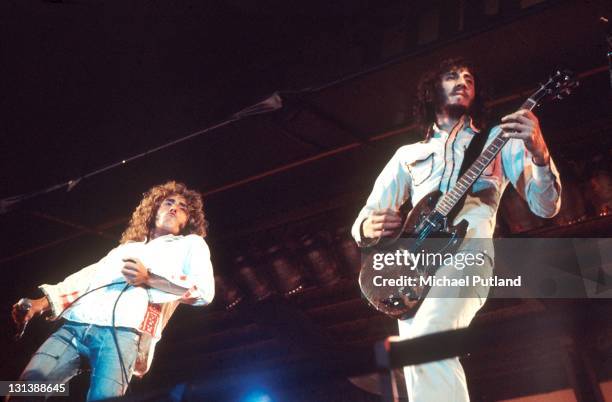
(116, 308)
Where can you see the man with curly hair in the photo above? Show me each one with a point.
(450, 108)
(116, 308)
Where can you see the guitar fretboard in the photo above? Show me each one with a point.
(452, 197)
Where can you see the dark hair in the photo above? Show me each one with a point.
(429, 90)
(143, 218)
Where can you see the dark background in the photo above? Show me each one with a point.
(86, 84)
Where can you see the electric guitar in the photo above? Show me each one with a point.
(428, 228)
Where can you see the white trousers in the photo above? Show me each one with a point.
(443, 309)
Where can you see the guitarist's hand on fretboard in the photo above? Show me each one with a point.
(382, 223)
(524, 125)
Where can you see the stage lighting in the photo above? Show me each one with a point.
(228, 292)
(319, 259)
(257, 396)
(253, 279)
(287, 275)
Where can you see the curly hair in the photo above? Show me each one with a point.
(429, 94)
(142, 222)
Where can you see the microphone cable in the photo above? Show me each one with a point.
(124, 373)
(121, 363)
(85, 294)
(127, 285)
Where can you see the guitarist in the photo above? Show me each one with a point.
(450, 108)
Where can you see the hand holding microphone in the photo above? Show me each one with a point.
(134, 272)
(24, 310)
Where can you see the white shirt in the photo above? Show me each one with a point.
(182, 260)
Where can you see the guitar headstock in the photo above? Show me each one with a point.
(559, 85)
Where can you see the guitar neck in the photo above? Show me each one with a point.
(452, 197)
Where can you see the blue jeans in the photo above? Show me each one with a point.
(59, 358)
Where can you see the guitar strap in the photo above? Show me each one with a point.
(471, 153)
(473, 150)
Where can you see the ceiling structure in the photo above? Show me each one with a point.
(90, 83)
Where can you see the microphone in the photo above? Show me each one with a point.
(21, 309)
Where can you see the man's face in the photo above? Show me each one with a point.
(457, 89)
(172, 215)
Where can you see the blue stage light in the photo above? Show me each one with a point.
(256, 396)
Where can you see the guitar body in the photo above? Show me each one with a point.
(423, 231)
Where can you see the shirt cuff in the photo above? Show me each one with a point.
(542, 174)
(55, 310)
(360, 238)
